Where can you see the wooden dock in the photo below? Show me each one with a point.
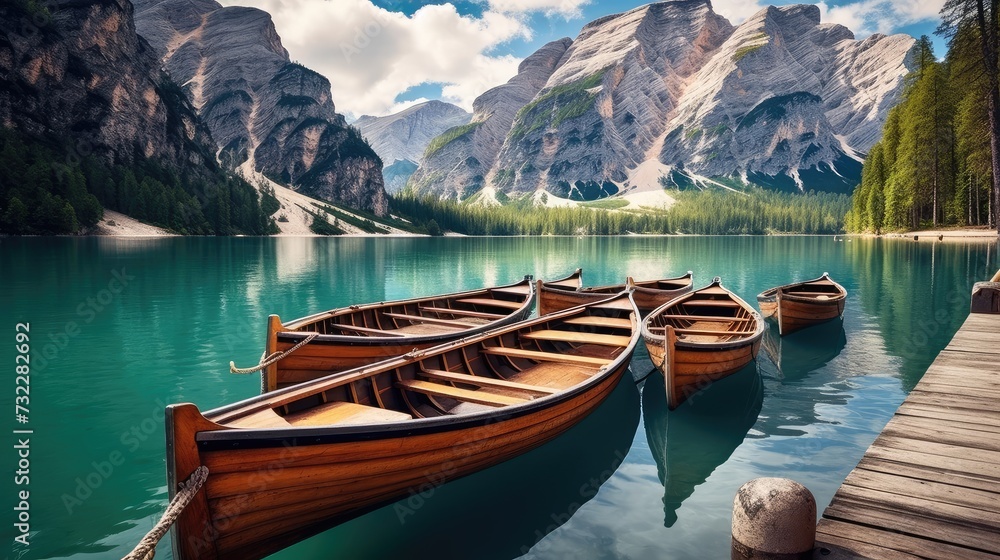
(929, 486)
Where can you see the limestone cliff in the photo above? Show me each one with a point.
(264, 110)
(457, 162)
(672, 91)
(78, 72)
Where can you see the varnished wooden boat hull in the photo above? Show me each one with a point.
(297, 491)
(802, 304)
(647, 294)
(330, 352)
(553, 300)
(795, 314)
(270, 486)
(701, 337)
(692, 369)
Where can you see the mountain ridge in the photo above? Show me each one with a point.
(261, 107)
(663, 92)
(400, 139)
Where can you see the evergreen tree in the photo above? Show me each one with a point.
(976, 23)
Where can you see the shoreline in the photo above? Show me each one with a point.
(944, 235)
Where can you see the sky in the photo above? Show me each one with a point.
(382, 56)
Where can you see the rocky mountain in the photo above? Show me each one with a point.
(264, 111)
(405, 135)
(79, 73)
(456, 163)
(672, 92)
(401, 138)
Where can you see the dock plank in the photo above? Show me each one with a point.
(929, 485)
(858, 539)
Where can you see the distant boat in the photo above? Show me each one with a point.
(358, 335)
(648, 294)
(799, 305)
(701, 337)
(288, 464)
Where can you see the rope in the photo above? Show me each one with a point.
(272, 358)
(147, 546)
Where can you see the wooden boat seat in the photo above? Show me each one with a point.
(483, 381)
(557, 375)
(492, 302)
(514, 290)
(578, 337)
(708, 318)
(544, 356)
(817, 295)
(323, 415)
(695, 328)
(711, 303)
(708, 332)
(365, 330)
(416, 329)
(344, 413)
(449, 323)
(474, 396)
(462, 312)
(595, 321)
(621, 304)
(266, 418)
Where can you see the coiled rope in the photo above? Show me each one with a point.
(146, 548)
(272, 358)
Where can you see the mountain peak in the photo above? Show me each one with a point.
(782, 99)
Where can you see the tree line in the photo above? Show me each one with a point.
(42, 191)
(709, 212)
(937, 161)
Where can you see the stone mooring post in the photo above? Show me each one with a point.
(773, 519)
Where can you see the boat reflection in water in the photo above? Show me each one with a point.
(797, 355)
(503, 511)
(690, 442)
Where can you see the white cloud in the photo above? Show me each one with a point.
(736, 10)
(567, 8)
(371, 55)
(882, 16)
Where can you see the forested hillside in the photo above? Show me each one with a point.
(933, 165)
(712, 212)
(48, 189)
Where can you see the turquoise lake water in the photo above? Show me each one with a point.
(119, 328)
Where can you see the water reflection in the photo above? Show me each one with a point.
(689, 443)
(799, 354)
(503, 511)
(918, 293)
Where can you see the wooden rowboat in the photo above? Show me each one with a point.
(648, 294)
(701, 337)
(364, 334)
(799, 305)
(290, 463)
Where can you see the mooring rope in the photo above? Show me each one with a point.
(147, 546)
(272, 358)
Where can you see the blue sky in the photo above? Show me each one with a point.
(382, 55)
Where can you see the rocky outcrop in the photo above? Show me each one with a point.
(457, 162)
(673, 88)
(788, 101)
(405, 135)
(263, 110)
(79, 73)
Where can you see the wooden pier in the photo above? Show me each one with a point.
(929, 486)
